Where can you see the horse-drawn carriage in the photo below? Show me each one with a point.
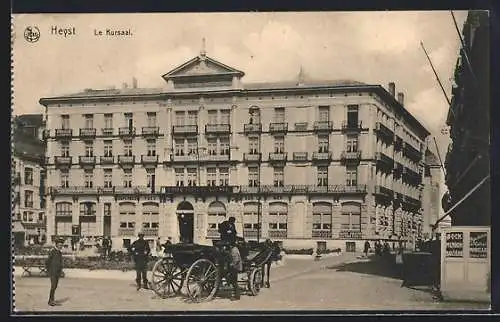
(202, 270)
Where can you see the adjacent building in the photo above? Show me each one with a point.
(28, 180)
(468, 157)
(311, 164)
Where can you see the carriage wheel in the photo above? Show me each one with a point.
(202, 280)
(167, 278)
(255, 281)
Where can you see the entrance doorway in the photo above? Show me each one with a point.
(185, 217)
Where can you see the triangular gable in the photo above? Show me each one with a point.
(199, 66)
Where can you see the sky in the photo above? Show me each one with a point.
(371, 47)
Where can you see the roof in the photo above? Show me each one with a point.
(202, 65)
(305, 84)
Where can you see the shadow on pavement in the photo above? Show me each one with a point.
(373, 266)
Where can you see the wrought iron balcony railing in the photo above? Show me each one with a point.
(252, 128)
(150, 131)
(323, 126)
(107, 131)
(351, 126)
(63, 161)
(185, 129)
(278, 156)
(126, 231)
(278, 127)
(107, 159)
(277, 233)
(252, 157)
(64, 133)
(87, 133)
(322, 156)
(350, 156)
(217, 129)
(322, 233)
(126, 132)
(126, 159)
(300, 156)
(149, 159)
(86, 160)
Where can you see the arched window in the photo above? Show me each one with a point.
(278, 217)
(127, 218)
(216, 214)
(87, 219)
(63, 219)
(322, 216)
(150, 215)
(350, 218)
(251, 222)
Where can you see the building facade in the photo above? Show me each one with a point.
(311, 164)
(28, 180)
(468, 157)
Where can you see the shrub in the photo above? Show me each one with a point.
(330, 251)
(303, 251)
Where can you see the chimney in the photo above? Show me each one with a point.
(134, 82)
(392, 89)
(401, 98)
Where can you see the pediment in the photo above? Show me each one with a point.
(202, 66)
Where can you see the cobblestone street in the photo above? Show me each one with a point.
(301, 284)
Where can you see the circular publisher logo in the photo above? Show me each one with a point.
(32, 34)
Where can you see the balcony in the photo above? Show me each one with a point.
(74, 191)
(278, 156)
(252, 128)
(126, 161)
(252, 157)
(411, 153)
(213, 234)
(150, 131)
(217, 129)
(107, 159)
(322, 233)
(62, 162)
(215, 158)
(337, 189)
(412, 202)
(278, 128)
(383, 191)
(322, 156)
(185, 130)
(107, 131)
(126, 231)
(149, 160)
(323, 126)
(87, 133)
(384, 162)
(384, 132)
(351, 127)
(87, 161)
(64, 134)
(300, 156)
(126, 190)
(350, 234)
(274, 233)
(190, 158)
(126, 132)
(250, 233)
(351, 157)
(412, 177)
(196, 190)
(150, 232)
(397, 169)
(398, 143)
(276, 189)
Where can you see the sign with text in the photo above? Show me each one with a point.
(478, 244)
(455, 244)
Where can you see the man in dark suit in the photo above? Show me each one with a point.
(54, 267)
(227, 230)
(141, 251)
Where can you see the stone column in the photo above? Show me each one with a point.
(308, 220)
(336, 213)
(264, 220)
(100, 218)
(76, 213)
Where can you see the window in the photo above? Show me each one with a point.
(151, 146)
(150, 214)
(322, 216)
(180, 118)
(65, 122)
(107, 209)
(212, 117)
(224, 146)
(278, 216)
(224, 176)
(323, 144)
(191, 176)
(127, 224)
(127, 178)
(350, 218)
(65, 149)
(89, 121)
(250, 217)
(89, 149)
(64, 209)
(212, 146)
(64, 179)
(150, 177)
(352, 144)
(127, 148)
(87, 209)
(28, 176)
(192, 147)
(352, 115)
(179, 177)
(28, 199)
(254, 116)
(278, 176)
(279, 115)
(322, 176)
(216, 214)
(253, 145)
(108, 121)
(211, 176)
(324, 113)
(108, 148)
(129, 120)
(351, 176)
(40, 216)
(279, 144)
(89, 178)
(225, 116)
(108, 178)
(151, 119)
(253, 176)
(179, 147)
(192, 118)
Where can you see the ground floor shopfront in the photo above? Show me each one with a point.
(298, 222)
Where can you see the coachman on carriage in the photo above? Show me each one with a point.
(204, 270)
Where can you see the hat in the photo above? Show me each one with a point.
(141, 234)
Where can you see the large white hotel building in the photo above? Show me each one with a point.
(311, 164)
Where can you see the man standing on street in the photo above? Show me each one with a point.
(141, 251)
(54, 268)
(227, 230)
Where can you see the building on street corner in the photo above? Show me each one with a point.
(322, 164)
(28, 180)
